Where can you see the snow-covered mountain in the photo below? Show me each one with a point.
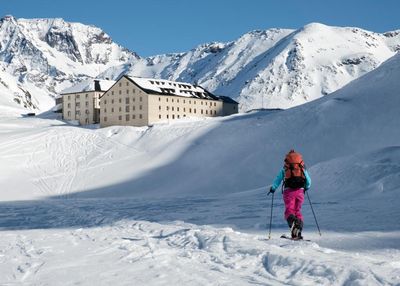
(262, 69)
(276, 68)
(40, 57)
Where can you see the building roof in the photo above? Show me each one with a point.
(90, 85)
(227, 99)
(167, 87)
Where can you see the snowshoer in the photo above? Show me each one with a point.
(296, 181)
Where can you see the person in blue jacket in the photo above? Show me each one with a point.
(296, 181)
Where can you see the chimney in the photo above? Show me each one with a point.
(97, 85)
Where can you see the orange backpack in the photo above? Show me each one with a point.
(294, 170)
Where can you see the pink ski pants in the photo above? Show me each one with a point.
(293, 199)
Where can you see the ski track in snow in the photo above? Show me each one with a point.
(146, 253)
(133, 241)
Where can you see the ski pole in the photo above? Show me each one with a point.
(312, 209)
(270, 218)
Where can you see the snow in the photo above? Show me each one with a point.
(175, 88)
(185, 203)
(89, 85)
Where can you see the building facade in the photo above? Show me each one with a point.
(138, 101)
(81, 103)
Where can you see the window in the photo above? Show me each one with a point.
(69, 97)
(69, 113)
(86, 103)
(167, 99)
(194, 102)
(127, 108)
(178, 116)
(105, 118)
(87, 111)
(215, 104)
(69, 105)
(77, 96)
(190, 110)
(127, 91)
(112, 109)
(184, 101)
(77, 112)
(105, 110)
(202, 111)
(112, 92)
(172, 100)
(177, 109)
(133, 108)
(127, 117)
(120, 84)
(140, 99)
(207, 112)
(78, 104)
(133, 116)
(159, 116)
(105, 101)
(127, 100)
(127, 83)
(177, 100)
(119, 92)
(87, 120)
(215, 112)
(133, 90)
(86, 95)
(120, 108)
(194, 110)
(140, 107)
(140, 116)
(120, 100)
(112, 101)
(172, 108)
(159, 107)
(159, 99)
(173, 116)
(120, 117)
(201, 103)
(167, 116)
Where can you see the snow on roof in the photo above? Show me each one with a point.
(89, 85)
(167, 87)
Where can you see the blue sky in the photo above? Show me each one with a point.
(151, 27)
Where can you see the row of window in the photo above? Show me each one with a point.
(190, 110)
(78, 96)
(77, 112)
(126, 100)
(127, 91)
(127, 117)
(126, 108)
(190, 101)
(78, 104)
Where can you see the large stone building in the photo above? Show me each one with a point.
(81, 103)
(139, 101)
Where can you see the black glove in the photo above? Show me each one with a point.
(271, 190)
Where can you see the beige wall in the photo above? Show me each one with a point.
(165, 108)
(81, 106)
(124, 104)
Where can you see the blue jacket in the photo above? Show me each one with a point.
(281, 175)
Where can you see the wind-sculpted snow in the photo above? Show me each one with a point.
(144, 253)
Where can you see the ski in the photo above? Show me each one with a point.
(294, 239)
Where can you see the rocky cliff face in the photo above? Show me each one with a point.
(46, 55)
